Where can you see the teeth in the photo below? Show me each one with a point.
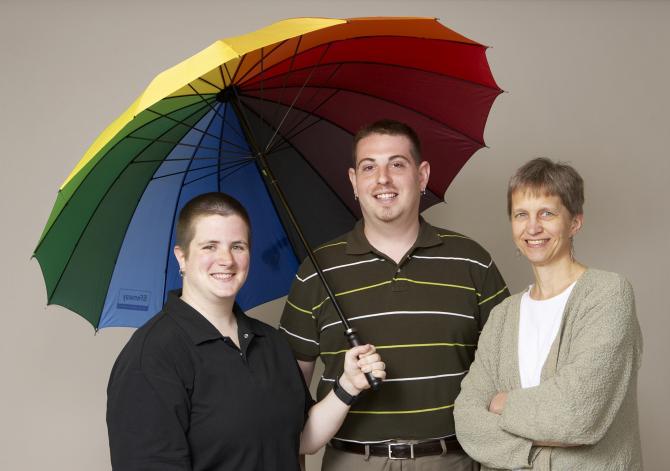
(536, 242)
(222, 276)
(385, 196)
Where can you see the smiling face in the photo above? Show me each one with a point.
(216, 263)
(387, 179)
(542, 227)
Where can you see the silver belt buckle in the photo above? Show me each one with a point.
(411, 451)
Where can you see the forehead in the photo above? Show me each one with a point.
(535, 196)
(377, 146)
(216, 227)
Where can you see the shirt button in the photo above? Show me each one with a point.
(241, 354)
(246, 336)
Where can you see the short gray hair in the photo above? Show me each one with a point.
(542, 175)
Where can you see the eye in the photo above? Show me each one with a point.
(208, 247)
(240, 247)
(398, 164)
(367, 167)
(545, 213)
(519, 215)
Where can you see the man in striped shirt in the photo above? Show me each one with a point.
(418, 293)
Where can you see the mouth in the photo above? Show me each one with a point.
(222, 276)
(536, 243)
(386, 196)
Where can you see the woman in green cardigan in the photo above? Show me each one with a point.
(553, 385)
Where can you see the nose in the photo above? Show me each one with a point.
(224, 257)
(383, 176)
(534, 226)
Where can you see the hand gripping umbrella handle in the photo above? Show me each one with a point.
(354, 341)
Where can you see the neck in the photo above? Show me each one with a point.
(219, 313)
(392, 239)
(551, 280)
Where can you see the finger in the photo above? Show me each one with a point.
(371, 351)
(380, 366)
(369, 360)
(352, 354)
(381, 374)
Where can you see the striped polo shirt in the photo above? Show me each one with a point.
(423, 314)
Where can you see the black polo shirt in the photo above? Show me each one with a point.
(183, 397)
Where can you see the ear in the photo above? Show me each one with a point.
(352, 179)
(180, 256)
(577, 223)
(424, 173)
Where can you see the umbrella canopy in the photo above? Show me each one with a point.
(295, 92)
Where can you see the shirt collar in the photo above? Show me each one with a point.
(357, 243)
(197, 327)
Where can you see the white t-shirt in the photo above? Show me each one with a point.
(538, 327)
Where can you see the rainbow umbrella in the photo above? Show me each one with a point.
(284, 100)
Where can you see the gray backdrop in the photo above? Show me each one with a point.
(587, 83)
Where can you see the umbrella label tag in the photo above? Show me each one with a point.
(133, 300)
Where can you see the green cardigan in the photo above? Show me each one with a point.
(587, 396)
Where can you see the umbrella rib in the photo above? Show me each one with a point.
(174, 212)
(316, 65)
(182, 122)
(235, 168)
(292, 133)
(181, 144)
(233, 172)
(181, 159)
(420, 113)
(81, 235)
(397, 66)
(217, 165)
(192, 128)
(164, 141)
(307, 115)
(383, 63)
(240, 79)
(313, 169)
(286, 77)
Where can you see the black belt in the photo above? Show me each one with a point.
(399, 450)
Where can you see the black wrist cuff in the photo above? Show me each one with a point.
(342, 394)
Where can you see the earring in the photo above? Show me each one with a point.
(181, 273)
(572, 249)
(423, 192)
(355, 197)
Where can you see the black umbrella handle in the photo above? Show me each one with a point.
(354, 341)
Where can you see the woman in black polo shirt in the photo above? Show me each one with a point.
(202, 386)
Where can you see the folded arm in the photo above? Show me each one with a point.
(478, 430)
(578, 404)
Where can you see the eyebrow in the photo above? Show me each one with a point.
(208, 242)
(393, 157)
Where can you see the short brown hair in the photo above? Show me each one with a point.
(392, 128)
(207, 204)
(542, 175)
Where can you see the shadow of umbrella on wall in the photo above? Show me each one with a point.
(267, 117)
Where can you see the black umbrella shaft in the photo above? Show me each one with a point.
(349, 332)
(267, 173)
(269, 176)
